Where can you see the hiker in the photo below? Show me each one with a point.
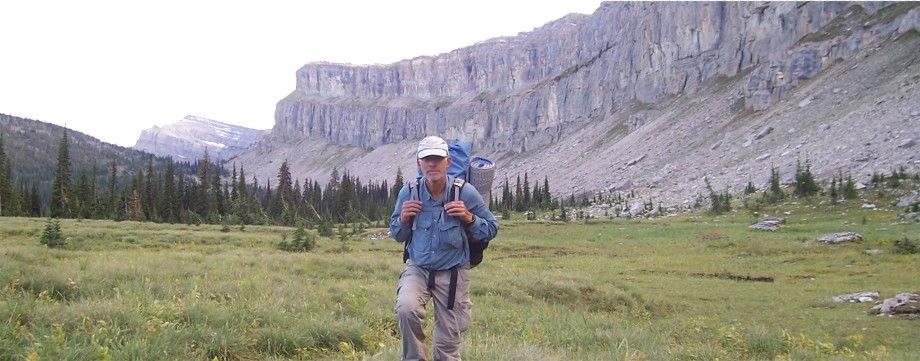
(438, 230)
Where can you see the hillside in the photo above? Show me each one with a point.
(649, 98)
(32, 147)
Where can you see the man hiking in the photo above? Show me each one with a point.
(438, 227)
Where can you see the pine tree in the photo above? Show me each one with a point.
(776, 192)
(507, 197)
(112, 194)
(285, 188)
(750, 189)
(805, 185)
(242, 201)
(518, 196)
(397, 185)
(346, 199)
(51, 235)
(203, 195)
(6, 192)
(135, 208)
(35, 205)
(833, 191)
(720, 202)
(849, 190)
(170, 202)
(61, 200)
(526, 192)
(81, 206)
(216, 197)
(150, 192)
(234, 195)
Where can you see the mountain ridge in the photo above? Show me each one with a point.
(580, 105)
(190, 137)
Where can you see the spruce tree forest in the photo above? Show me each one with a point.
(203, 191)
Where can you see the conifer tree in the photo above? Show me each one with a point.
(150, 191)
(233, 192)
(6, 193)
(526, 203)
(216, 196)
(507, 196)
(182, 199)
(398, 184)
(35, 205)
(285, 186)
(849, 190)
(346, 199)
(135, 208)
(776, 192)
(82, 196)
(805, 185)
(203, 195)
(170, 203)
(112, 194)
(518, 195)
(61, 200)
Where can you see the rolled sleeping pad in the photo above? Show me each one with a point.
(480, 175)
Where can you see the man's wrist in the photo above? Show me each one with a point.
(472, 219)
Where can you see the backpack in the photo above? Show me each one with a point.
(480, 171)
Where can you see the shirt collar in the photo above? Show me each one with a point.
(450, 180)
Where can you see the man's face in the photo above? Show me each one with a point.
(434, 167)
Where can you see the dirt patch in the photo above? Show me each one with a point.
(734, 277)
(711, 236)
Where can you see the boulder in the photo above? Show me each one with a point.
(902, 303)
(907, 143)
(637, 209)
(763, 133)
(835, 238)
(859, 297)
(768, 224)
(909, 200)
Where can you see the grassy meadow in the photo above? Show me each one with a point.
(680, 287)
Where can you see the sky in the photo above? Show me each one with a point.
(113, 68)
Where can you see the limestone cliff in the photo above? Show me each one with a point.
(524, 92)
(644, 97)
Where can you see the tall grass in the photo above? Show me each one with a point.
(606, 290)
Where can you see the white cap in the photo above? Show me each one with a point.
(432, 145)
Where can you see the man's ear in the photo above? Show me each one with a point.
(449, 160)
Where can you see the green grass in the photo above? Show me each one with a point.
(605, 290)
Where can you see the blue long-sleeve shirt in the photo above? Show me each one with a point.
(439, 242)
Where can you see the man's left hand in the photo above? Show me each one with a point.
(458, 210)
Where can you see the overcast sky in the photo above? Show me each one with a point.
(113, 68)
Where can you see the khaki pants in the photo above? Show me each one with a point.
(412, 296)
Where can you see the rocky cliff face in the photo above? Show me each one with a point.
(189, 138)
(525, 92)
(651, 97)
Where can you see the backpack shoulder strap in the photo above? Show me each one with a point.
(456, 188)
(413, 195)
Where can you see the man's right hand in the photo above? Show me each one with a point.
(410, 209)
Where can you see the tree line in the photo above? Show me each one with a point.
(206, 192)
